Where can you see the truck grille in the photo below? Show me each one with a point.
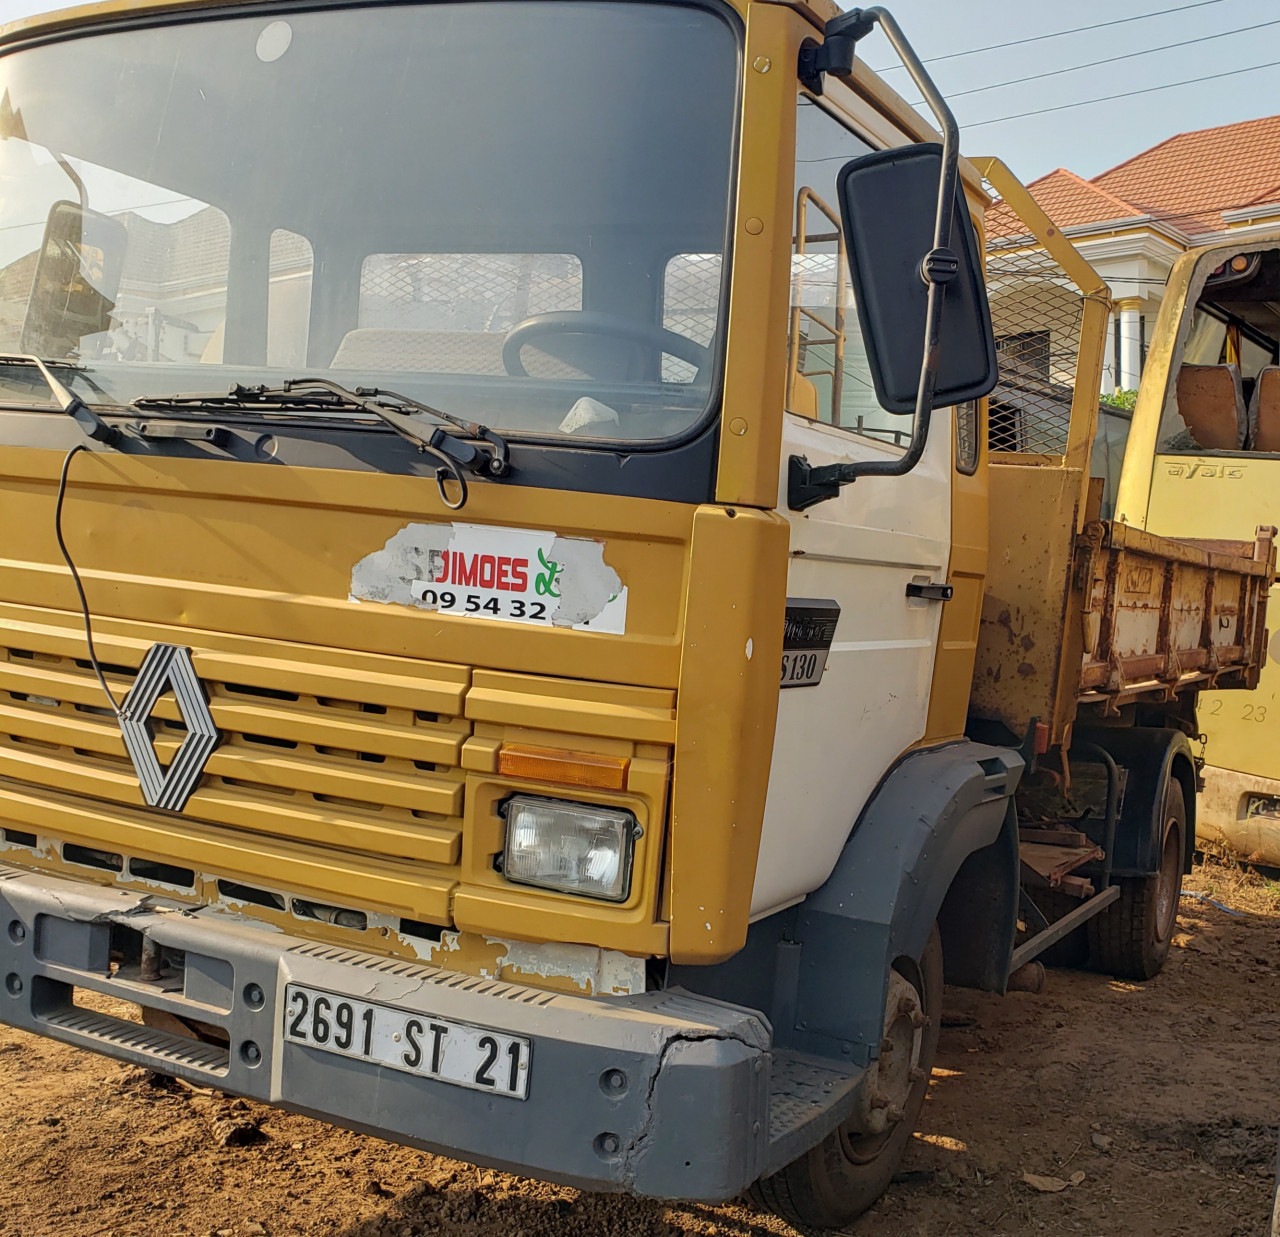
(328, 750)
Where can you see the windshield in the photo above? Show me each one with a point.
(513, 211)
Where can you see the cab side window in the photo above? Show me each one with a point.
(828, 376)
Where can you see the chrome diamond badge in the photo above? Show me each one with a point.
(168, 665)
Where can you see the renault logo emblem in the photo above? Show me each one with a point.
(165, 666)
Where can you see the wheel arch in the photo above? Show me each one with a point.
(1184, 769)
(978, 919)
(941, 816)
(820, 970)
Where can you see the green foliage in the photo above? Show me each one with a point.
(1121, 399)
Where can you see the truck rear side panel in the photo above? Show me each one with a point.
(1108, 616)
(1025, 639)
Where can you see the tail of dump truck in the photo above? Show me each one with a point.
(553, 659)
(1096, 635)
(1207, 418)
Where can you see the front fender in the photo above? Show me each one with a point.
(819, 971)
(930, 814)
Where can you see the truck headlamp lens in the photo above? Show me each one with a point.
(571, 847)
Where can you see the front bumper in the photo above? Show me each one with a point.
(689, 1121)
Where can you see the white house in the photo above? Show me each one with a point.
(1133, 221)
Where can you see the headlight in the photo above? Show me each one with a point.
(573, 847)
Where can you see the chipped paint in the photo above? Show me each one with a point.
(582, 969)
(515, 575)
(598, 972)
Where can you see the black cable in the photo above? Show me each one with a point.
(1057, 34)
(1127, 94)
(75, 575)
(1093, 64)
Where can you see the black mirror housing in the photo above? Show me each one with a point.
(888, 204)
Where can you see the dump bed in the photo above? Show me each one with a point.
(1084, 623)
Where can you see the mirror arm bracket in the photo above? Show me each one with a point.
(807, 485)
(939, 266)
(835, 54)
(92, 424)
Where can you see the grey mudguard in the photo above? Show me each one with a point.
(662, 1093)
(930, 814)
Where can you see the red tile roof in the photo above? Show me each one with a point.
(1193, 177)
(1068, 199)
(1186, 182)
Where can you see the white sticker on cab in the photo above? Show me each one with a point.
(513, 575)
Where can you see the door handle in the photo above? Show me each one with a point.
(930, 592)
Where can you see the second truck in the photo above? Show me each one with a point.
(539, 617)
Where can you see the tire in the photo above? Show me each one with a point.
(836, 1181)
(1131, 938)
(1073, 950)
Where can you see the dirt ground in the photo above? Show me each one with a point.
(1157, 1104)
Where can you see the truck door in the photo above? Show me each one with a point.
(852, 557)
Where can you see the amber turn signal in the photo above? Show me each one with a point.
(549, 764)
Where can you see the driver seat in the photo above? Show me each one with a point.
(479, 353)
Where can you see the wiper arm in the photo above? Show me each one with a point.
(396, 411)
(84, 416)
(390, 407)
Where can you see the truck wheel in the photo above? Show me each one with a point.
(836, 1181)
(1131, 938)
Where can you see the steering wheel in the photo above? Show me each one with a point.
(586, 322)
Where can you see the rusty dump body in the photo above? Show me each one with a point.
(1081, 624)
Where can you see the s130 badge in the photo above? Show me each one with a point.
(806, 639)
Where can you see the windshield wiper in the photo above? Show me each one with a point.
(80, 412)
(390, 407)
(397, 411)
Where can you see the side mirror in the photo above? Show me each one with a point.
(888, 203)
(77, 280)
(915, 264)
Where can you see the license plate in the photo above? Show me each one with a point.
(439, 1048)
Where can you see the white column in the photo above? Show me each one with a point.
(1129, 309)
(1109, 371)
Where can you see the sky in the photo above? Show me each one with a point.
(1087, 139)
(1093, 138)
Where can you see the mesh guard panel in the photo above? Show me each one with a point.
(1036, 313)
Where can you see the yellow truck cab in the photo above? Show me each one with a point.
(1208, 417)
(525, 629)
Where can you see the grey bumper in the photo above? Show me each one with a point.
(690, 1120)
